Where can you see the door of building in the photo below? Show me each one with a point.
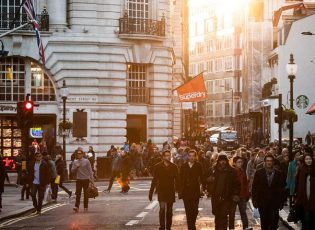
(136, 128)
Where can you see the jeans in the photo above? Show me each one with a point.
(40, 191)
(25, 189)
(242, 204)
(191, 209)
(114, 174)
(166, 210)
(82, 184)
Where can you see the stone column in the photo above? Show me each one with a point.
(57, 10)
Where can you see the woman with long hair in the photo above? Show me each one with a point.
(305, 193)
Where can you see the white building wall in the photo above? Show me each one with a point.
(303, 49)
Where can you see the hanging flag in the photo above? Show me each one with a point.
(30, 11)
(192, 91)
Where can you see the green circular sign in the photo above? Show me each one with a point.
(302, 101)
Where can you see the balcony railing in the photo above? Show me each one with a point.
(7, 19)
(129, 25)
(138, 95)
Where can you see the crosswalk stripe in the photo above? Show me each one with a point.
(132, 222)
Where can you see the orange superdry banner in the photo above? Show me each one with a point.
(194, 90)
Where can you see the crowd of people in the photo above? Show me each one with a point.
(265, 175)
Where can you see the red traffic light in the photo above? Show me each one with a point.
(28, 105)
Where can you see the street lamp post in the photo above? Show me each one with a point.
(291, 70)
(64, 93)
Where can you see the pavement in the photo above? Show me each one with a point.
(107, 211)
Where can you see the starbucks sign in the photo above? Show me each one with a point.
(302, 102)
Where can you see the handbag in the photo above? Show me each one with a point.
(92, 191)
(57, 180)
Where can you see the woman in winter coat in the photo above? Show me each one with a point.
(305, 193)
(60, 171)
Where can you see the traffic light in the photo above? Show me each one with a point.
(279, 117)
(25, 114)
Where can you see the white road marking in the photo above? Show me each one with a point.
(132, 222)
(142, 214)
(152, 205)
(15, 220)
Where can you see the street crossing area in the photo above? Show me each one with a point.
(114, 211)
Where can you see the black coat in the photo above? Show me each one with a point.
(2, 175)
(166, 181)
(190, 180)
(60, 168)
(263, 195)
(230, 187)
(44, 173)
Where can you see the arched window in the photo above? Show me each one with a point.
(42, 87)
(18, 74)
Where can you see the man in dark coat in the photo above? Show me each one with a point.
(166, 177)
(191, 178)
(268, 193)
(225, 189)
(40, 177)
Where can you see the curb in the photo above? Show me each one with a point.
(21, 213)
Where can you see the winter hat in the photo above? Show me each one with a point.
(222, 156)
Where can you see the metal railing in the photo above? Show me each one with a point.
(138, 95)
(142, 26)
(7, 19)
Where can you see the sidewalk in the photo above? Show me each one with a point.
(12, 206)
(283, 217)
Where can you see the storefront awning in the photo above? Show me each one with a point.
(311, 110)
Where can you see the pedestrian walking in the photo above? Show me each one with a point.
(166, 181)
(224, 190)
(53, 175)
(18, 162)
(40, 177)
(305, 196)
(116, 167)
(2, 179)
(60, 167)
(191, 177)
(124, 172)
(268, 193)
(91, 157)
(84, 174)
(243, 195)
(26, 184)
(308, 138)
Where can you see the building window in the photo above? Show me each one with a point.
(136, 83)
(218, 109)
(228, 63)
(42, 87)
(219, 65)
(227, 108)
(12, 79)
(201, 67)
(210, 111)
(138, 9)
(227, 84)
(210, 86)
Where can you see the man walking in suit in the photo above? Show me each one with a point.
(268, 193)
(166, 177)
(191, 178)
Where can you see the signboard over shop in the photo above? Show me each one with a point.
(82, 99)
(36, 132)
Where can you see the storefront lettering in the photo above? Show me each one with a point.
(7, 108)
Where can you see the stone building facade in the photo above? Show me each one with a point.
(118, 59)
